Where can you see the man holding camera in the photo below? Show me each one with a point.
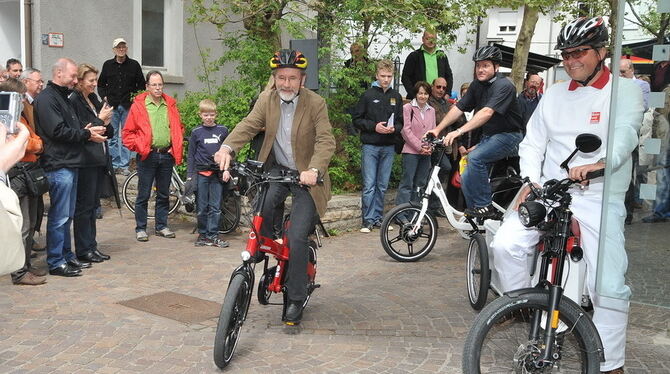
(59, 127)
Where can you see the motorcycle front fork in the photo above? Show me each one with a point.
(548, 355)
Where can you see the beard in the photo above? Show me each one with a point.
(287, 96)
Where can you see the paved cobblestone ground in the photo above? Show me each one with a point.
(371, 314)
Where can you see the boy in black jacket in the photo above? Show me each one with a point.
(378, 116)
(205, 141)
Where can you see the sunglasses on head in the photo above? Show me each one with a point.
(577, 53)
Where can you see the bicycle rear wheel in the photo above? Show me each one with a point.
(233, 313)
(499, 339)
(129, 195)
(230, 213)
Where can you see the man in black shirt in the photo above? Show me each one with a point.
(493, 97)
(120, 77)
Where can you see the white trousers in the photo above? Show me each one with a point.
(513, 242)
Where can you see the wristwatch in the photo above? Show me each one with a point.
(315, 170)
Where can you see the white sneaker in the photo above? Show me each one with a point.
(365, 229)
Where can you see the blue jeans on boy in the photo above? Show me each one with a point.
(415, 169)
(157, 167)
(210, 193)
(120, 154)
(376, 164)
(63, 197)
(475, 181)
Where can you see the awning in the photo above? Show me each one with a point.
(642, 49)
(536, 62)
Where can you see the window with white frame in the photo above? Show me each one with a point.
(507, 22)
(158, 36)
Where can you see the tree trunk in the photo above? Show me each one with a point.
(324, 35)
(522, 48)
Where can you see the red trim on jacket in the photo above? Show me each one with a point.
(599, 83)
(136, 132)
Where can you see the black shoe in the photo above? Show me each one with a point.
(78, 264)
(65, 270)
(101, 255)
(89, 257)
(487, 212)
(293, 312)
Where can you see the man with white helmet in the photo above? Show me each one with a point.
(567, 109)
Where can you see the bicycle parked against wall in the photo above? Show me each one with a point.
(238, 296)
(230, 204)
(414, 230)
(539, 329)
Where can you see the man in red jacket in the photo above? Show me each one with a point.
(154, 130)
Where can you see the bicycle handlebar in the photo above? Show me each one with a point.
(553, 186)
(254, 170)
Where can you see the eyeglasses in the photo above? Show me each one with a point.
(440, 87)
(36, 80)
(577, 53)
(155, 85)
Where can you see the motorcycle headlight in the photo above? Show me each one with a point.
(531, 213)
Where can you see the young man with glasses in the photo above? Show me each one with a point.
(568, 109)
(154, 130)
(120, 77)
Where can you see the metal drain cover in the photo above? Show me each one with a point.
(175, 306)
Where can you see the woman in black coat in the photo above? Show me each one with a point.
(94, 113)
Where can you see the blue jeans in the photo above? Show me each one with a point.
(415, 169)
(63, 197)
(377, 161)
(475, 181)
(210, 193)
(120, 154)
(662, 203)
(157, 167)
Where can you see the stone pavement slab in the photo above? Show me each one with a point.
(371, 314)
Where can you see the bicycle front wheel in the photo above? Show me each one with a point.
(129, 196)
(401, 242)
(499, 340)
(230, 213)
(233, 312)
(477, 271)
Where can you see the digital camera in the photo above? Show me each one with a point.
(11, 106)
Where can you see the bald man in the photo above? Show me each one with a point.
(63, 136)
(626, 70)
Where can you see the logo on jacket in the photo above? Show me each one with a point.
(595, 118)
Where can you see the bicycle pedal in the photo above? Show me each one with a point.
(287, 323)
(316, 285)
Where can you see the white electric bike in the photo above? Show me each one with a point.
(409, 231)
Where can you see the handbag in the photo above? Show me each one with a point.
(456, 179)
(36, 180)
(12, 254)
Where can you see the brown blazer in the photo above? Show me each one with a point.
(312, 139)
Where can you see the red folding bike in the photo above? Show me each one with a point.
(238, 296)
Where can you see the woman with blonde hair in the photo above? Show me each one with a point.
(91, 112)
